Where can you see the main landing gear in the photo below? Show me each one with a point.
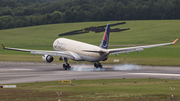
(66, 66)
(98, 65)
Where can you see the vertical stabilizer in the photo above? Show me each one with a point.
(105, 40)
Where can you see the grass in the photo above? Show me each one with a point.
(141, 32)
(87, 90)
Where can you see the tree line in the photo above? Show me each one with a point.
(22, 13)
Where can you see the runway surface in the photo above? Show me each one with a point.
(20, 72)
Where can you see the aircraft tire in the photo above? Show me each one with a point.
(95, 65)
(64, 65)
(100, 66)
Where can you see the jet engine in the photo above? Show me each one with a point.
(47, 58)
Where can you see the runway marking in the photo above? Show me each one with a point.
(21, 69)
(161, 74)
(16, 69)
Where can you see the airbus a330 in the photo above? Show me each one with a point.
(79, 51)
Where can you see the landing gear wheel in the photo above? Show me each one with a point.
(95, 65)
(98, 65)
(66, 66)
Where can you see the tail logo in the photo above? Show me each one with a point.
(105, 40)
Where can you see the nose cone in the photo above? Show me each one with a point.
(55, 44)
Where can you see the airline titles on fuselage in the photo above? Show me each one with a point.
(60, 45)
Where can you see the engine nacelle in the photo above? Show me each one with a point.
(47, 58)
(105, 59)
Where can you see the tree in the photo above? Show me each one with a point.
(56, 17)
(8, 11)
(38, 12)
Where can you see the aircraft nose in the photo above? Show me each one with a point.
(55, 43)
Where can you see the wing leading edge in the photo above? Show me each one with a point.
(68, 54)
(138, 48)
(53, 53)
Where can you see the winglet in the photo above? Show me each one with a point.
(3, 46)
(175, 41)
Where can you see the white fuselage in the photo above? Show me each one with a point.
(78, 50)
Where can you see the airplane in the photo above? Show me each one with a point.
(79, 51)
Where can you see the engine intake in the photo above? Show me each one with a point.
(47, 58)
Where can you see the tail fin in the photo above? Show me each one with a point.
(105, 40)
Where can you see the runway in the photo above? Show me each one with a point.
(21, 72)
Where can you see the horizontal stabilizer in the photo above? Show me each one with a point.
(94, 51)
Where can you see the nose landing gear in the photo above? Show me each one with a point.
(66, 66)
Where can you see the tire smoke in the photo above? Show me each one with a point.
(127, 67)
(84, 67)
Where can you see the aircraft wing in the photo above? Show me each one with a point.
(138, 48)
(43, 52)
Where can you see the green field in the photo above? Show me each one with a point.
(123, 89)
(141, 32)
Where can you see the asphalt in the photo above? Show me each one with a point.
(22, 72)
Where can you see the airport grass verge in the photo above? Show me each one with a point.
(100, 90)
